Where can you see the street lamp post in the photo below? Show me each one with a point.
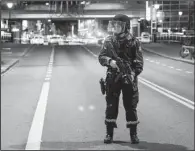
(9, 5)
(180, 13)
(154, 7)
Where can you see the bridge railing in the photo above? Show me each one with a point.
(182, 39)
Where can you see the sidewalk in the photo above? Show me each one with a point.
(11, 54)
(170, 51)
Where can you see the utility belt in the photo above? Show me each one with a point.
(113, 76)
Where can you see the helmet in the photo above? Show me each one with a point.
(123, 18)
(119, 24)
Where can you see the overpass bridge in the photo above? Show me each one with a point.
(76, 12)
(66, 9)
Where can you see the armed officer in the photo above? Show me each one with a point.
(121, 53)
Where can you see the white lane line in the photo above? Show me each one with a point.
(35, 133)
(157, 62)
(146, 59)
(164, 65)
(48, 76)
(90, 51)
(167, 91)
(168, 95)
(49, 72)
(151, 60)
(189, 72)
(178, 69)
(171, 67)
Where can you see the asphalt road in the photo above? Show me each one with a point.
(74, 107)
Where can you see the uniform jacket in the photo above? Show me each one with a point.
(127, 48)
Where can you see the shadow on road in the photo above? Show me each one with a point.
(99, 144)
(151, 146)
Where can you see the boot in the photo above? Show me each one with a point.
(133, 134)
(109, 135)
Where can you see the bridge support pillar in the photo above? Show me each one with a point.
(67, 11)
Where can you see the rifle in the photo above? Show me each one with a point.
(124, 69)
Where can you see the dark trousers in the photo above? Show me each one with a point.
(130, 100)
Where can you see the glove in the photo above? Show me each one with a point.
(133, 76)
(113, 64)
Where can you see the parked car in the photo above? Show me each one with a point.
(145, 37)
(54, 40)
(37, 40)
(46, 42)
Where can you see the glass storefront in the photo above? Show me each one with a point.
(172, 19)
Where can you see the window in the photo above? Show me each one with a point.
(183, 6)
(184, 2)
(167, 19)
(161, 7)
(183, 18)
(166, 2)
(174, 7)
(175, 2)
(159, 2)
(175, 18)
(166, 7)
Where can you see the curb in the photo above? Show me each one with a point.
(27, 50)
(165, 56)
(9, 66)
(17, 60)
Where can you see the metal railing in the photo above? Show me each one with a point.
(182, 39)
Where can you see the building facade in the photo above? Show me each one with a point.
(175, 16)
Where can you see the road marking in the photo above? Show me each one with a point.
(164, 65)
(6, 48)
(46, 79)
(157, 62)
(178, 69)
(171, 67)
(90, 51)
(146, 59)
(189, 72)
(151, 60)
(172, 95)
(168, 93)
(35, 133)
(49, 72)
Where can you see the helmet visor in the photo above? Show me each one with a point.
(116, 26)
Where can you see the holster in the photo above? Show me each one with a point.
(102, 86)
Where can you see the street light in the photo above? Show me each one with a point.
(180, 13)
(156, 6)
(9, 5)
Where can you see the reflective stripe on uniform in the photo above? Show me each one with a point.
(110, 120)
(132, 122)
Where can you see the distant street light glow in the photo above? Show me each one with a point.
(47, 3)
(83, 2)
(180, 13)
(9, 5)
(156, 6)
(49, 20)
